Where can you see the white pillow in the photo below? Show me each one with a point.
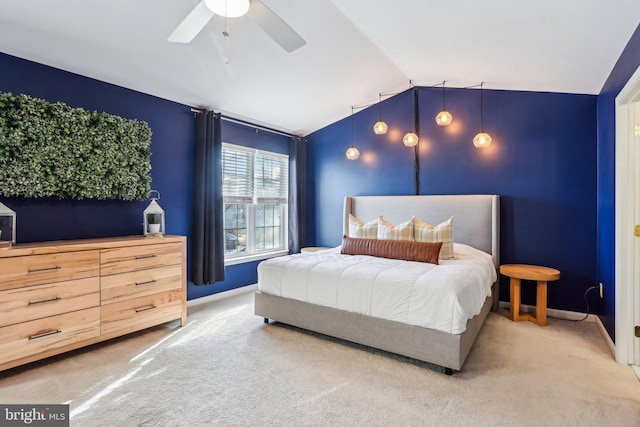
(388, 231)
(361, 229)
(443, 232)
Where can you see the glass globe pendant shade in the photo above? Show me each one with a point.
(482, 140)
(352, 153)
(410, 139)
(228, 8)
(444, 118)
(380, 128)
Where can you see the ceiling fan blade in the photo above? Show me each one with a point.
(275, 27)
(192, 24)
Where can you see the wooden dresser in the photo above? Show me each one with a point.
(59, 296)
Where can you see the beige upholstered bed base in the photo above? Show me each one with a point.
(476, 223)
(428, 345)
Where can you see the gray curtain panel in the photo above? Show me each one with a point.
(297, 193)
(207, 260)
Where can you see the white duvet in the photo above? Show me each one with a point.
(441, 297)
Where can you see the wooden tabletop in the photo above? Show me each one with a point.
(35, 248)
(529, 272)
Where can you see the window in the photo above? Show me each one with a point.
(255, 188)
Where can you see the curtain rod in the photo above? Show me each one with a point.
(257, 127)
(251, 125)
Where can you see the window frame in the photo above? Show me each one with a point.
(233, 259)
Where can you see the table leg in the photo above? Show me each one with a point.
(541, 303)
(515, 299)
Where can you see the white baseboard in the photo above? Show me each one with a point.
(607, 338)
(552, 312)
(221, 295)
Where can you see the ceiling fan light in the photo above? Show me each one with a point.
(228, 8)
(482, 140)
(352, 153)
(444, 118)
(410, 139)
(380, 128)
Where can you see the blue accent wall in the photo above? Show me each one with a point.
(172, 146)
(173, 127)
(626, 65)
(542, 163)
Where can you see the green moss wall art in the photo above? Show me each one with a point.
(52, 150)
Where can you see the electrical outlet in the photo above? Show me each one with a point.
(601, 291)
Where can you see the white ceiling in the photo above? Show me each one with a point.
(355, 49)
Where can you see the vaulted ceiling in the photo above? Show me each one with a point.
(354, 50)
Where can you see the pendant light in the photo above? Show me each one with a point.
(444, 117)
(410, 138)
(352, 153)
(380, 128)
(482, 139)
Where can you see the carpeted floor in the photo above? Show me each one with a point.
(226, 367)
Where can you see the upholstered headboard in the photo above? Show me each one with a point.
(476, 222)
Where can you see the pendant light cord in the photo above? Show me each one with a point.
(411, 111)
(416, 150)
(444, 107)
(481, 110)
(351, 126)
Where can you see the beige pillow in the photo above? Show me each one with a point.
(443, 232)
(361, 229)
(388, 231)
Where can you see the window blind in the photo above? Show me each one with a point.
(237, 176)
(271, 179)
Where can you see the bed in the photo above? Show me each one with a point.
(289, 289)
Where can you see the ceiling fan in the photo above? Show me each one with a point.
(266, 19)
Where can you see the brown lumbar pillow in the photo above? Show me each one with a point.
(394, 249)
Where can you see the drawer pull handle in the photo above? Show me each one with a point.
(46, 334)
(42, 270)
(146, 283)
(151, 307)
(45, 300)
(146, 256)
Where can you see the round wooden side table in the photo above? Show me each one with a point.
(541, 275)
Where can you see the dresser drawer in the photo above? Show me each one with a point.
(140, 313)
(35, 302)
(40, 269)
(134, 258)
(118, 287)
(37, 336)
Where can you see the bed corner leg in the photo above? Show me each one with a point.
(266, 320)
(448, 371)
